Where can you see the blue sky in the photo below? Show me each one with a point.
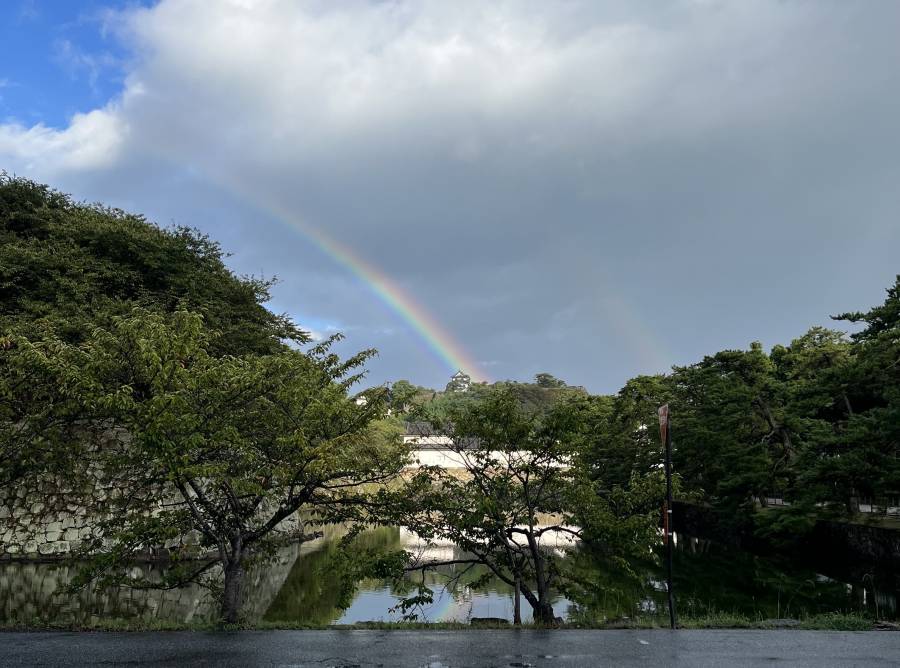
(56, 60)
(591, 189)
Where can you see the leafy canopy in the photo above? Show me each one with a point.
(68, 266)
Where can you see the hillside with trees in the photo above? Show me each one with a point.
(67, 266)
(426, 404)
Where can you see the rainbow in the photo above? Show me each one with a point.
(617, 313)
(388, 291)
(449, 351)
(435, 336)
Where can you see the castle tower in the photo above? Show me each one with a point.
(459, 382)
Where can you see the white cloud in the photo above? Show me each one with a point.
(534, 171)
(92, 141)
(28, 11)
(287, 81)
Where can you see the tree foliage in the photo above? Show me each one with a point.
(548, 380)
(813, 423)
(136, 349)
(521, 498)
(228, 448)
(132, 354)
(68, 266)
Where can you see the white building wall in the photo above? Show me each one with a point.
(449, 459)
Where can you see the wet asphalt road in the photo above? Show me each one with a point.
(443, 649)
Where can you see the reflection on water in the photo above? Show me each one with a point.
(313, 591)
(312, 585)
(458, 605)
(33, 593)
(30, 593)
(712, 577)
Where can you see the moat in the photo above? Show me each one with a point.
(306, 587)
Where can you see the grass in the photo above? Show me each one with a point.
(820, 622)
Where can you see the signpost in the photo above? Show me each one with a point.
(666, 437)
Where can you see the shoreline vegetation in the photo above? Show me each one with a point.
(724, 620)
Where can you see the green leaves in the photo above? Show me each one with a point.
(113, 326)
(68, 266)
(523, 495)
(816, 422)
(229, 447)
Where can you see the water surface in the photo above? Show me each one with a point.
(312, 585)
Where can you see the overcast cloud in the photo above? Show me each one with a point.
(592, 189)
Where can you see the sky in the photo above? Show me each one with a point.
(594, 190)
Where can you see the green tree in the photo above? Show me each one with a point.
(730, 429)
(407, 398)
(45, 424)
(227, 448)
(814, 422)
(860, 455)
(67, 268)
(622, 439)
(70, 266)
(519, 497)
(548, 380)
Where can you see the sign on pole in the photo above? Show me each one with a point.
(663, 412)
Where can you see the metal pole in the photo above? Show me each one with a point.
(517, 610)
(669, 524)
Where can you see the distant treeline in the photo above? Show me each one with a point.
(426, 403)
(815, 423)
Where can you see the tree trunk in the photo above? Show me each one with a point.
(231, 596)
(847, 403)
(543, 614)
(541, 610)
(783, 434)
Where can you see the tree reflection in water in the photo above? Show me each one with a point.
(709, 579)
(318, 586)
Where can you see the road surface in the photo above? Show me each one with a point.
(445, 649)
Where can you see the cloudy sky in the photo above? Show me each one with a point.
(594, 189)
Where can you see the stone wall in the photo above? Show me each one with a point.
(52, 515)
(51, 518)
(850, 543)
(31, 593)
(48, 521)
